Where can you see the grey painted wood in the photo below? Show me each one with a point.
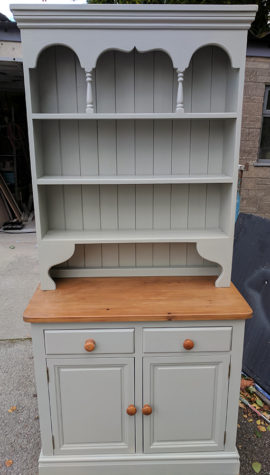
(170, 340)
(180, 421)
(72, 342)
(88, 405)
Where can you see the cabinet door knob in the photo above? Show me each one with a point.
(131, 410)
(90, 345)
(147, 410)
(188, 344)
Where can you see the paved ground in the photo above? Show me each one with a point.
(18, 280)
(19, 430)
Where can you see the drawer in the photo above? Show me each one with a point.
(171, 340)
(105, 341)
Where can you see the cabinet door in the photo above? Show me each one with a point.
(88, 405)
(188, 396)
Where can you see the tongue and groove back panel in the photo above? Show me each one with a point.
(127, 83)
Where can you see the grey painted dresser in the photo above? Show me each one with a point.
(134, 115)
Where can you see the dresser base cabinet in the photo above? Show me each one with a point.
(83, 397)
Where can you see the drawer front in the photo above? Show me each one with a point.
(171, 340)
(59, 342)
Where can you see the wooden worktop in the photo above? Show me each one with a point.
(118, 299)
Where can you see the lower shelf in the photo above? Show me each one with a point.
(133, 236)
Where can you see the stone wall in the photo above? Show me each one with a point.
(255, 191)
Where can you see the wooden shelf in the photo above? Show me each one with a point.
(133, 236)
(136, 116)
(133, 179)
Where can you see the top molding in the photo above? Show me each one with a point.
(197, 17)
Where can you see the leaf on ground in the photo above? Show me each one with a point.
(241, 405)
(258, 434)
(245, 383)
(250, 420)
(245, 416)
(262, 428)
(259, 402)
(238, 425)
(12, 409)
(8, 463)
(268, 427)
(257, 466)
(258, 422)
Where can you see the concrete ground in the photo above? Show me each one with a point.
(19, 423)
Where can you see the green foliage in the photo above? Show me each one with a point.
(259, 27)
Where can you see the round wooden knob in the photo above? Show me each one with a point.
(90, 345)
(131, 410)
(147, 410)
(188, 344)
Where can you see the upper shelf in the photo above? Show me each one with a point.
(133, 82)
(132, 179)
(136, 116)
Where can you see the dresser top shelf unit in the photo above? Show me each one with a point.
(134, 141)
(136, 299)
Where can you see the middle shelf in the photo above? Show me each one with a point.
(146, 148)
(132, 179)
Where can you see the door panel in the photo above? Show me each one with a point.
(89, 401)
(188, 397)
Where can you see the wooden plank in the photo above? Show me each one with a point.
(144, 82)
(51, 146)
(178, 254)
(109, 254)
(92, 255)
(125, 132)
(127, 255)
(179, 207)
(220, 65)
(47, 81)
(126, 207)
(162, 147)
(55, 207)
(199, 144)
(163, 82)
(213, 206)
(107, 147)
(144, 206)
(70, 147)
(137, 299)
(162, 207)
(144, 255)
(105, 82)
(66, 80)
(88, 148)
(124, 82)
(196, 207)
(216, 147)
(161, 254)
(108, 207)
(73, 207)
(144, 147)
(91, 207)
(181, 147)
(201, 80)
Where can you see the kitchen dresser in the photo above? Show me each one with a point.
(134, 115)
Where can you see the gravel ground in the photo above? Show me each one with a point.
(253, 445)
(19, 434)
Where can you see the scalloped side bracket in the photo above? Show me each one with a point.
(219, 251)
(51, 254)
